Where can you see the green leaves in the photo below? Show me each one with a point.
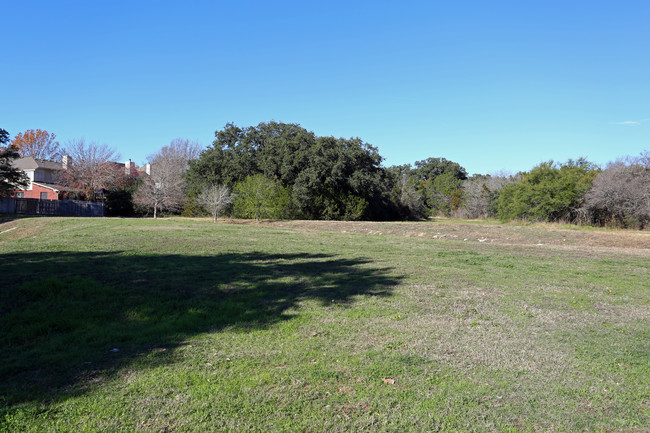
(548, 192)
(260, 197)
(443, 193)
(320, 177)
(431, 168)
(11, 178)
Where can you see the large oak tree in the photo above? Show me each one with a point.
(327, 177)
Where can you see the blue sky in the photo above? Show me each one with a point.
(498, 85)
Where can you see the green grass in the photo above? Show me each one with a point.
(266, 328)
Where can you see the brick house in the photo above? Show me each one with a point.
(43, 178)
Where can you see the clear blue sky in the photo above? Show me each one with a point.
(489, 84)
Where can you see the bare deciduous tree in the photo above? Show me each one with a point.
(163, 189)
(90, 167)
(180, 150)
(620, 194)
(215, 199)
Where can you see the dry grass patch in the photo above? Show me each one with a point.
(479, 231)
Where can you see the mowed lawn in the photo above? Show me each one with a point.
(122, 325)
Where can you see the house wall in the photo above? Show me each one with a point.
(46, 176)
(30, 176)
(36, 191)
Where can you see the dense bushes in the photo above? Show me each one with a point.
(119, 202)
(279, 170)
(260, 197)
(576, 192)
(433, 186)
(549, 192)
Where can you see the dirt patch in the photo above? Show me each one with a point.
(541, 235)
(164, 228)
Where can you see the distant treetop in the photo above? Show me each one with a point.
(37, 143)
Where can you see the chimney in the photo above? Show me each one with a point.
(147, 169)
(127, 168)
(66, 161)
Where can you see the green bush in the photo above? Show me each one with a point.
(549, 192)
(341, 206)
(119, 202)
(260, 197)
(443, 193)
(192, 208)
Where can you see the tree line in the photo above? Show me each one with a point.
(282, 171)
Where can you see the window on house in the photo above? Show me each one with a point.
(20, 195)
(43, 196)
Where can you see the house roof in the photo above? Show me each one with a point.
(31, 163)
(54, 186)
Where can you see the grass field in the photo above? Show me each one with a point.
(122, 325)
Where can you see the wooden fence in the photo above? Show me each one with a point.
(34, 206)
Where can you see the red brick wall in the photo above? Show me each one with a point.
(37, 190)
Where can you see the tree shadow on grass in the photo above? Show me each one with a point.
(61, 314)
